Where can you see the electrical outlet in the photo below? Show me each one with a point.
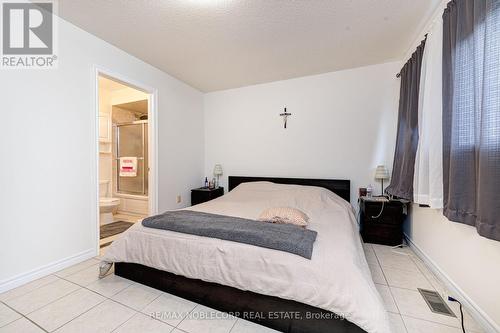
(179, 198)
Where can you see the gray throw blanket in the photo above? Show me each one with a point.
(282, 237)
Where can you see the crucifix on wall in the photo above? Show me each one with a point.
(285, 115)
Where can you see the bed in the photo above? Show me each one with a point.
(331, 292)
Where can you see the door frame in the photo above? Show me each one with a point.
(152, 144)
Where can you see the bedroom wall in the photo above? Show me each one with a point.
(467, 262)
(343, 125)
(47, 144)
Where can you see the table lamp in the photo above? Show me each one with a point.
(381, 173)
(217, 173)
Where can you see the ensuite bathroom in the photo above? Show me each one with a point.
(123, 158)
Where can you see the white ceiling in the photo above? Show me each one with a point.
(220, 44)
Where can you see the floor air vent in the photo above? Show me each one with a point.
(436, 303)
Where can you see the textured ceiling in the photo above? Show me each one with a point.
(220, 44)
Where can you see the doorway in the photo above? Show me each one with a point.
(125, 173)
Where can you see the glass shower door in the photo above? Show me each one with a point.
(132, 141)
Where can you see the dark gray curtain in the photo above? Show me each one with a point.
(407, 136)
(471, 114)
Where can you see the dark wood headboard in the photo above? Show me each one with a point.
(338, 186)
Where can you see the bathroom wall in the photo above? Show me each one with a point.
(105, 156)
(123, 116)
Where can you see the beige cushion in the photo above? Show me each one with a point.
(284, 215)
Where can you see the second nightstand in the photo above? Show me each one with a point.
(203, 194)
(381, 221)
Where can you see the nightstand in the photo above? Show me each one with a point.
(203, 194)
(381, 220)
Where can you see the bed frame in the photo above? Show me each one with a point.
(338, 186)
(276, 313)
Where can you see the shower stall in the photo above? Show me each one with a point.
(131, 140)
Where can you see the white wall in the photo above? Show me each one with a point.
(468, 262)
(343, 124)
(47, 149)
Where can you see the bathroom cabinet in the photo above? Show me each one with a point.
(105, 129)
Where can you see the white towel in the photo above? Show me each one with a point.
(128, 166)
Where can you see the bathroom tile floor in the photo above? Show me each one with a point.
(75, 300)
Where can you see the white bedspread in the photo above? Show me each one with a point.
(337, 277)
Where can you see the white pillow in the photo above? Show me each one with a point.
(287, 215)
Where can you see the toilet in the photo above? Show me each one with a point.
(107, 204)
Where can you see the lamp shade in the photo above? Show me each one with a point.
(217, 170)
(381, 172)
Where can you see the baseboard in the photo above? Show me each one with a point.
(45, 270)
(475, 311)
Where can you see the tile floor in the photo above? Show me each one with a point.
(397, 274)
(75, 300)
